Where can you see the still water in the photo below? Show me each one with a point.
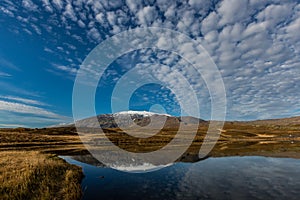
(249, 177)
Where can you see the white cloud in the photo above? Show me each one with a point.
(47, 6)
(16, 110)
(293, 30)
(3, 74)
(46, 49)
(67, 69)
(111, 18)
(36, 29)
(210, 23)
(232, 11)
(12, 125)
(69, 12)
(94, 34)
(134, 4)
(26, 109)
(275, 14)
(23, 100)
(7, 11)
(58, 4)
(4, 63)
(147, 15)
(100, 18)
(81, 24)
(11, 119)
(12, 89)
(28, 4)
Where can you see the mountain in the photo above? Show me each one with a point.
(133, 119)
(281, 121)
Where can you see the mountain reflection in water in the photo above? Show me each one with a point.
(248, 177)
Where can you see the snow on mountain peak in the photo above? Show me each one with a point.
(144, 113)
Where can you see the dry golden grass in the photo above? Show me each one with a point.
(13, 137)
(33, 175)
(59, 141)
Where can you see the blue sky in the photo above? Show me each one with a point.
(255, 44)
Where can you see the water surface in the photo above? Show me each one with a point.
(249, 177)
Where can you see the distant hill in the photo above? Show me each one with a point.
(282, 121)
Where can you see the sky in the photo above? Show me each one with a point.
(255, 45)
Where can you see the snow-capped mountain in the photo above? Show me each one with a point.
(136, 119)
(133, 112)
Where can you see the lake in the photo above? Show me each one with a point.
(248, 177)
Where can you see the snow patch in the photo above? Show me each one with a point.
(144, 113)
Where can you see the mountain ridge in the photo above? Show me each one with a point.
(143, 118)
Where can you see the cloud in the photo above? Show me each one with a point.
(9, 88)
(232, 11)
(46, 49)
(28, 4)
(47, 6)
(292, 30)
(147, 15)
(210, 23)
(7, 11)
(25, 109)
(58, 4)
(17, 110)
(133, 5)
(69, 12)
(68, 71)
(94, 34)
(12, 125)
(255, 44)
(23, 100)
(3, 74)
(275, 14)
(4, 63)
(36, 29)
(72, 71)
(81, 24)
(11, 119)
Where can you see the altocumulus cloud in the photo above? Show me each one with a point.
(254, 43)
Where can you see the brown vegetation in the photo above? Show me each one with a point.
(45, 139)
(33, 175)
(29, 170)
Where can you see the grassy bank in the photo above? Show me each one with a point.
(34, 175)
